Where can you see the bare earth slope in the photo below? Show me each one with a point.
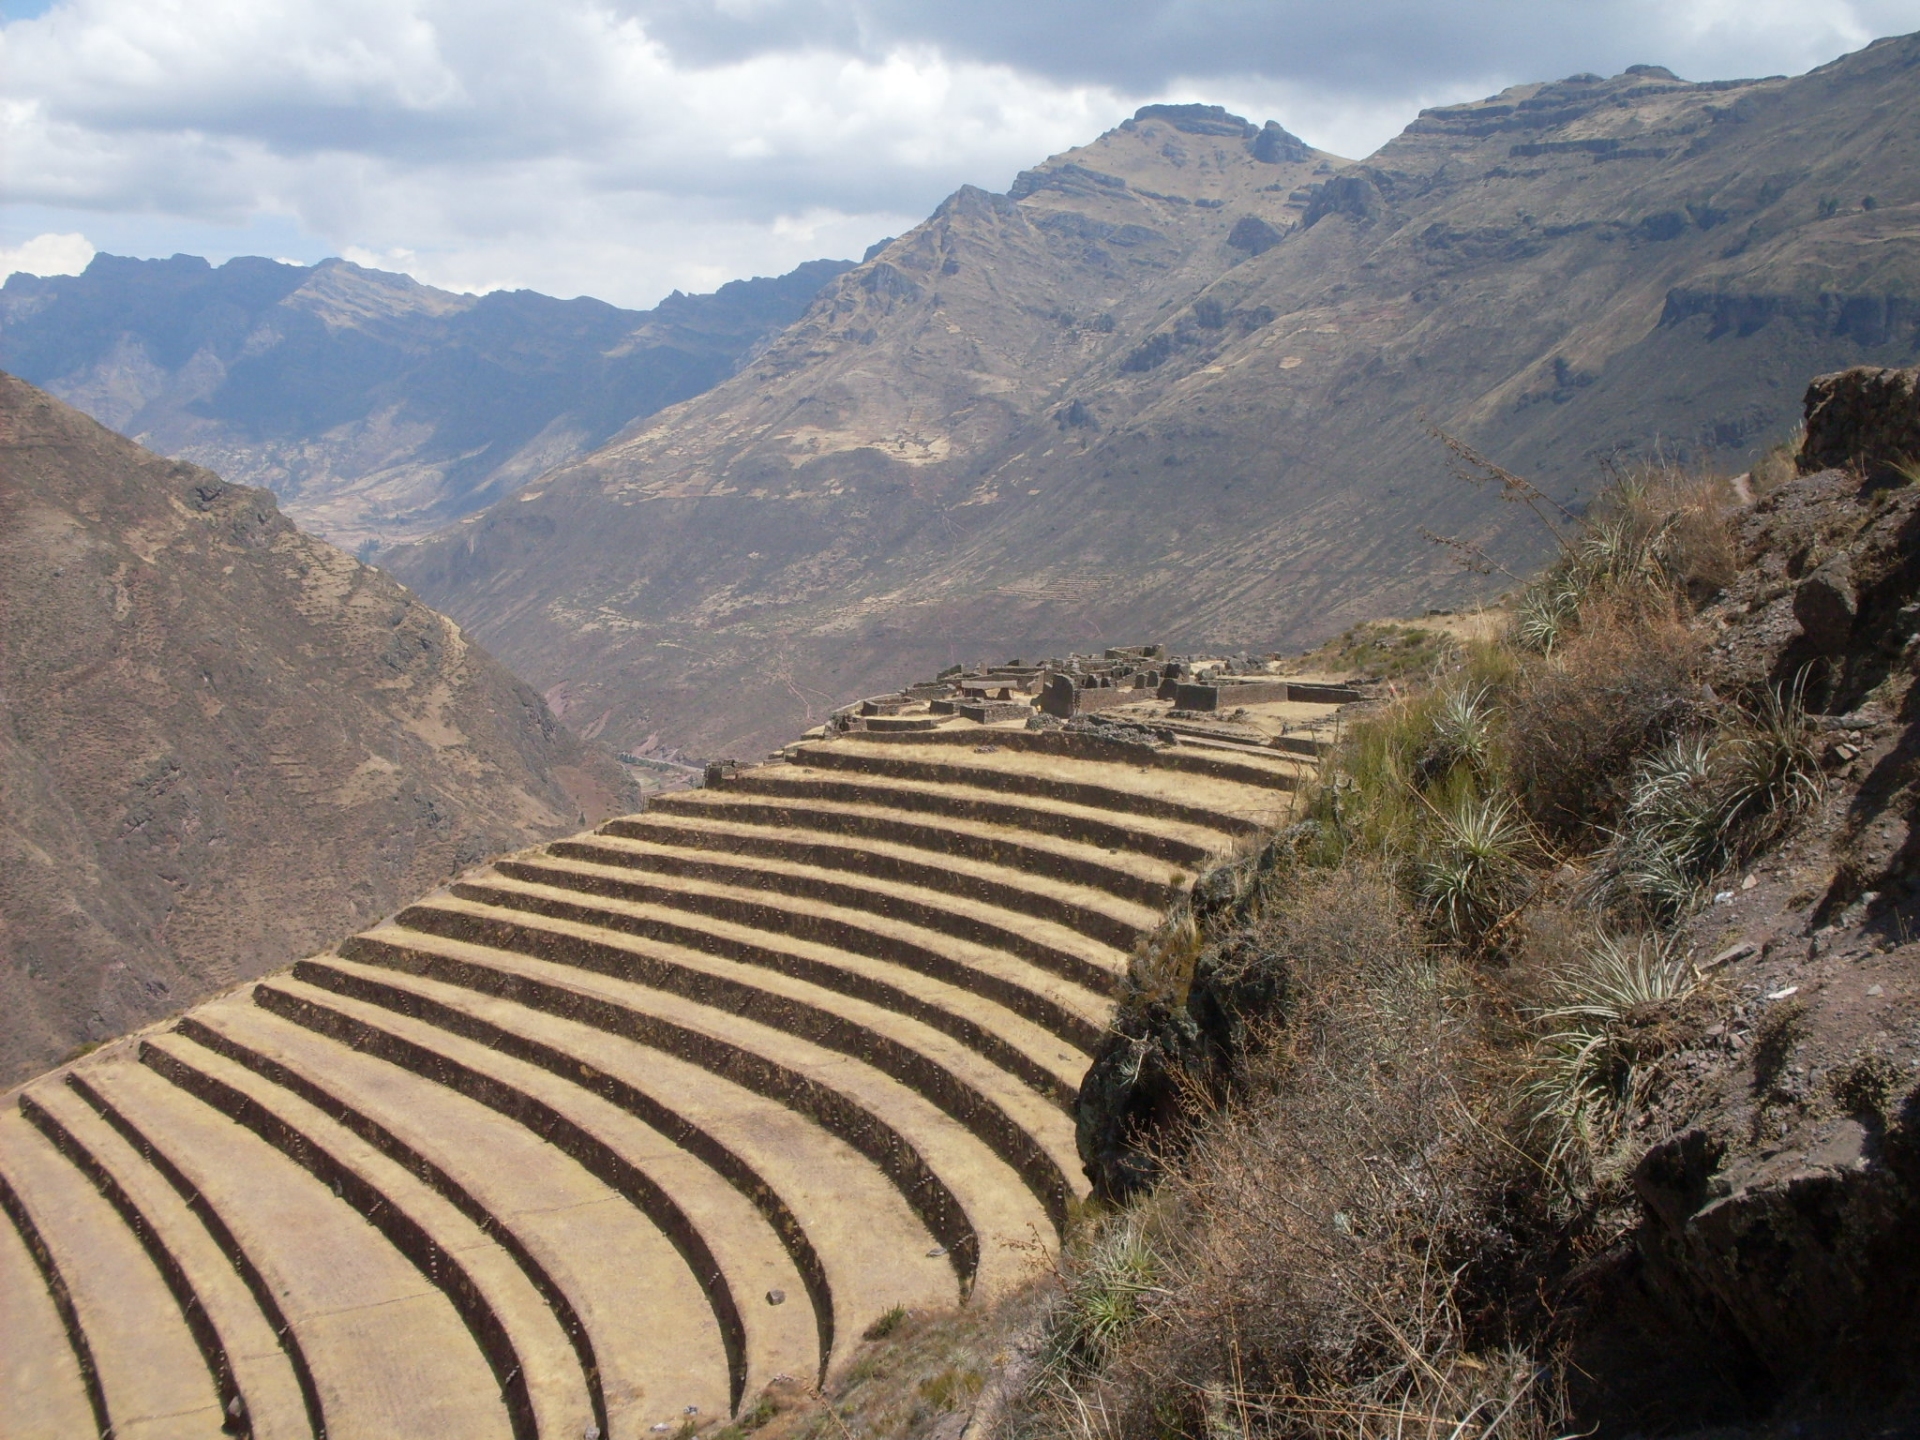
(223, 743)
(1170, 385)
(375, 407)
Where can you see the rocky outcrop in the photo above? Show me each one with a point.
(1813, 1274)
(1865, 418)
(1275, 145)
(1162, 1052)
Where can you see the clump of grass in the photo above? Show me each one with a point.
(1864, 1087)
(1381, 650)
(1431, 748)
(1161, 968)
(1771, 765)
(888, 1321)
(951, 1387)
(1577, 720)
(1461, 733)
(1774, 1037)
(1671, 839)
(1613, 1022)
(1778, 465)
(1654, 534)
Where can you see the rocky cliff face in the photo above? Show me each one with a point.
(375, 407)
(223, 743)
(1171, 383)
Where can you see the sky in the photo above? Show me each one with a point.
(626, 148)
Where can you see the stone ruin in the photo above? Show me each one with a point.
(1160, 691)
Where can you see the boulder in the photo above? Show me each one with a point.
(1825, 605)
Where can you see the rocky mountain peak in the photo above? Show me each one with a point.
(1197, 119)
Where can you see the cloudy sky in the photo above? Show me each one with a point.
(622, 148)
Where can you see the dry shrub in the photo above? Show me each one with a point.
(1660, 537)
(1327, 1255)
(1577, 720)
(1693, 514)
(1778, 465)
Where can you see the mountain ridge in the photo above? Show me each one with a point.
(1166, 387)
(377, 407)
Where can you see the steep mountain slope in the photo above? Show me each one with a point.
(223, 743)
(377, 408)
(1171, 384)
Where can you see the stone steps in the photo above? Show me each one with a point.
(969, 1196)
(1244, 766)
(1023, 1119)
(155, 1378)
(260, 1363)
(1183, 845)
(250, 1275)
(613, 1132)
(890, 960)
(1102, 917)
(864, 819)
(623, 1184)
(1147, 789)
(537, 1382)
(391, 1353)
(1063, 950)
(43, 1391)
(849, 1206)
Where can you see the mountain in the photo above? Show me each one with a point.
(376, 407)
(1173, 384)
(223, 743)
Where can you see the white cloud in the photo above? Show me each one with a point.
(625, 147)
(46, 255)
(558, 147)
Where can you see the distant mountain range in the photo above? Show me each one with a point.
(375, 407)
(1176, 384)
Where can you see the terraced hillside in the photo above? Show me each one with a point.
(610, 1134)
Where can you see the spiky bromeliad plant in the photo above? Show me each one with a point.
(1603, 1038)
(1710, 799)
(1471, 878)
(1106, 1295)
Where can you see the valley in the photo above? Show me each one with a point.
(1177, 381)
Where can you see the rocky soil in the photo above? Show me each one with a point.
(1783, 1205)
